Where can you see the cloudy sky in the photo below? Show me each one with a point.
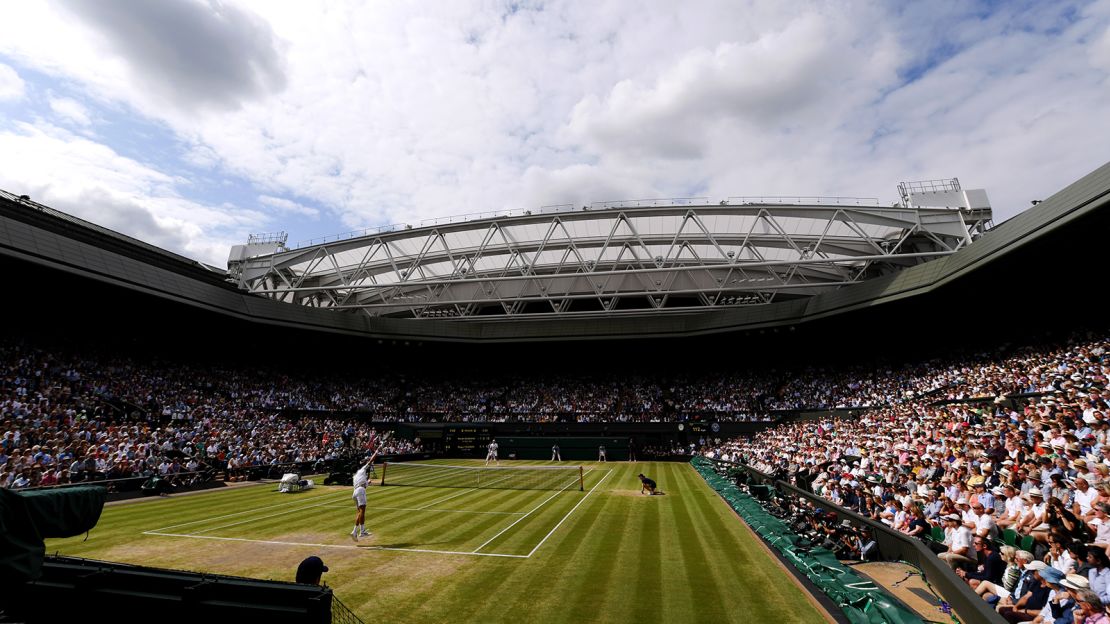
(191, 123)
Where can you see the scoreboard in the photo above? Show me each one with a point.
(466, 441)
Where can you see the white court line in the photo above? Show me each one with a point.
(280, 543)
(570, 512)
(527, 514)
(159, 532)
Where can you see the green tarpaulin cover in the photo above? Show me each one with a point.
(27, 518)
(859, 598)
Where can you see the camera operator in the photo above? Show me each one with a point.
(866, 545)
(847, 544)
(825, 531)
(856, 544)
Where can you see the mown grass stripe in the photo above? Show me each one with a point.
(548, 587)
(617, 558)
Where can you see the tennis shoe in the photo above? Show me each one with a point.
(366, 534)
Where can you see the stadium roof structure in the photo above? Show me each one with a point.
(866, 275)
(612, 259)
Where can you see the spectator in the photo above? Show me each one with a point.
(958, 537)
(991, 566)
(311, 570)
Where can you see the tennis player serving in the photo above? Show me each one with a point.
(360, 480)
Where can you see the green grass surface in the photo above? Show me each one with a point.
(607, 554)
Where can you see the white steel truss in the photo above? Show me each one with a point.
(620, 260)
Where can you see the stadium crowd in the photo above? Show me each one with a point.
(67, 419)
(1006, 461)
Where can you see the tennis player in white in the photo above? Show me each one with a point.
(360, 479)
(492, 455)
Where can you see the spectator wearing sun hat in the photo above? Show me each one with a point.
(1034, 517)
(1027, 580)
(984, 495)
(1102, 471)
(959, 540)
(1100, 524)
(1029, 606)
(1062, 600)
(998, 493)
(1083, 470)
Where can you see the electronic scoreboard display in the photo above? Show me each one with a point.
(466, 441)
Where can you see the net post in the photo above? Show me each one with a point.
(384, 466)
(581, 481)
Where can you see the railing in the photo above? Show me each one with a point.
(127, 484)
(381, 229)
(817, 200)
(650, 203)
(270, 237)
(931, 186)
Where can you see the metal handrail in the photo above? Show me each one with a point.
(820, 200)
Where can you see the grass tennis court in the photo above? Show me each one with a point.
(605, 554)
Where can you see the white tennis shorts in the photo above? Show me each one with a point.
(360, 496)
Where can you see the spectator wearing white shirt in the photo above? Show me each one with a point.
(1100, 524)
(959, 543)
(1082, 498)
(982, 522)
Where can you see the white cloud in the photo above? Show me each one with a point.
(71, 110)
(11, 85)
(286, 206)
(1100, 51)
(782, 80)
(186, 53)
(391, 112)
(91, 181)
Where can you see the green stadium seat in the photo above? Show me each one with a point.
(938, 534)
(1027, 543)
(1009, 537)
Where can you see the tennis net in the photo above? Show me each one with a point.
(499, 477)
